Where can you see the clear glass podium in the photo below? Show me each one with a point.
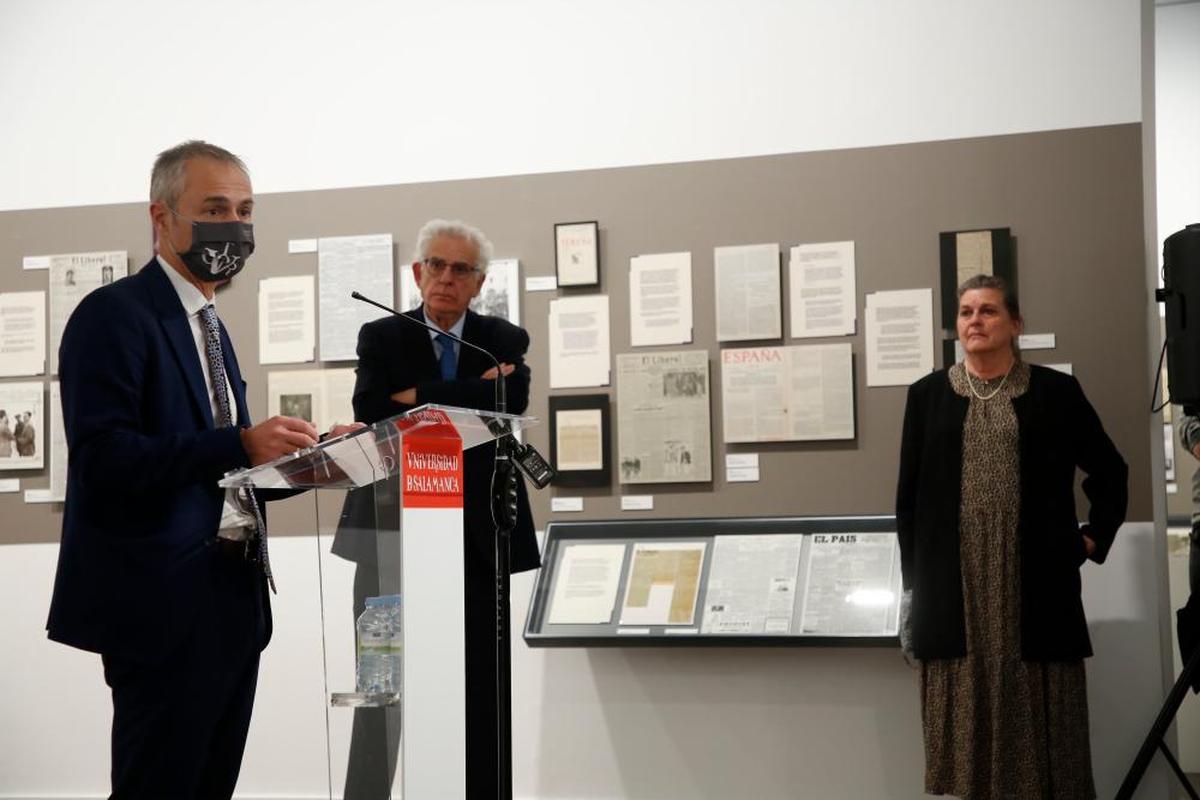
(389, 521)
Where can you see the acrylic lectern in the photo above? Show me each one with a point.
(399, 487)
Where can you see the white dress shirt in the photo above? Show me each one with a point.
(236, 518)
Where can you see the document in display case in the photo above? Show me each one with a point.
(747, 581)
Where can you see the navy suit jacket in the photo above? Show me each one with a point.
(142, 504)
(394, 355)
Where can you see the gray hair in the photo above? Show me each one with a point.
(456, 229)
(1005, 289)
(1000, 285)
(167, 177)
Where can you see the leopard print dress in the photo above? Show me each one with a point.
(996, 726)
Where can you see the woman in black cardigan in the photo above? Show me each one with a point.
(990, 550)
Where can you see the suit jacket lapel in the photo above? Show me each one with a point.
(179, 333)
(469, 359)
(425, 360)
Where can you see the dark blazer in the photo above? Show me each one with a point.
(394, 355)
(142, 504)
(1058, 431)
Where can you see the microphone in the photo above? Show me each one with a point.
(501, 398)
(530, 461)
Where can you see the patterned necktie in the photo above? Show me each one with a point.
(448, 361)
(216, 371)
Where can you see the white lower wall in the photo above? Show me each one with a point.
(601, 723)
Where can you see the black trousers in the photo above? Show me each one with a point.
(180, 722)
(375, 739)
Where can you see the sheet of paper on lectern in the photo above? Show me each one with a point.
(899, 334)
(287, 320)
(850, 586)
(579, 342)
(346, 264)
(660, 299)
(822, 288)
(746, 280)
(22, 333)
(663, 424)
(794, 393)
(72, 277)
(585, 590)
(664, 580)
(751, 587)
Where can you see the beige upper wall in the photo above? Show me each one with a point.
(324, 95)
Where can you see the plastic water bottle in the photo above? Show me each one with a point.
(379, 646)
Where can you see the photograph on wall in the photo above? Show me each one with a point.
(22, 426)
(965, 254)
(320, 396)
(500, 294)
(577, 253)
(72, 277)
(664, 581)
(579, 433)
(663, 417)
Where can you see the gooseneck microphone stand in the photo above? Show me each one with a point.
(504, 518)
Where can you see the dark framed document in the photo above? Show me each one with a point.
(965, 254)
(579, 433)
(577, 253)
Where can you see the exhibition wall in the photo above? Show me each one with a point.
(1072, 198)
(1047, 144)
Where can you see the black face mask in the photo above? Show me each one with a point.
(219, 249)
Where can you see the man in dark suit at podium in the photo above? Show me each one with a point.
(401, 366)
(160, 571)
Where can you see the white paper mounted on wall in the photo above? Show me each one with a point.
(899, 334)
(660, 299)
(747, 294)
(22, 334)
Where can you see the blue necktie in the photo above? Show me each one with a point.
(448, 361)
(216, 370)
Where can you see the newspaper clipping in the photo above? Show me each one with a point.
(72, 276)
(751, 588)
(664, 432)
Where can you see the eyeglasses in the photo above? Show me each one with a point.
(459, 269)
